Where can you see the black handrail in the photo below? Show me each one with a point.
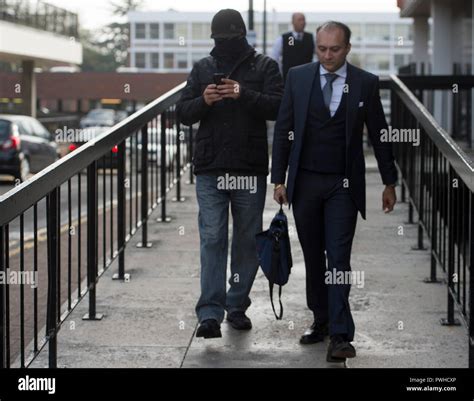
(116, 206)
(439, 179)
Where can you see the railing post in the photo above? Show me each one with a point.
(121, 199)
(190, 156)
(163, 218)
(180, 133)
(92, 240)
(2, 301)
(434, 219)
(471, 285)
(52, 220)
(144, 200)
(450, 320)
(421, 192)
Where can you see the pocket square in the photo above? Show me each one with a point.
(361, 104)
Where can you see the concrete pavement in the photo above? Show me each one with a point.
(150, 320)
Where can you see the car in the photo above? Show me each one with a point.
(26, 146)
(120, 115)
(99, 118)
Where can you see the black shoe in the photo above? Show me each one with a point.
(315, 333)
(239, 321)
(209, 329)
(339, 349)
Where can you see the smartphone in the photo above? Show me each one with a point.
(218, 76)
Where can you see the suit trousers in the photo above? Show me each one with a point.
(326, 217)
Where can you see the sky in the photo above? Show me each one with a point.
(96, 13)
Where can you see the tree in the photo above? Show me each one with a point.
(107, 49)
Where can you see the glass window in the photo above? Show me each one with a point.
(356, 32)
(283, 28)
(182, 31)
(169, 60)
(405, 31)
(198, 31)
(155, 60)
(355, 59)
(169, 31)
(140, 31)
(154, 31)
(377, 62)
(140, 60)
(182, 61)
(377, 31)
(198, 56)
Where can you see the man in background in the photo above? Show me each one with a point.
(294, 48)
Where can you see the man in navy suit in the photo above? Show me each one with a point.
(318, 138)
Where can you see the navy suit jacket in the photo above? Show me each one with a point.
(363, 106)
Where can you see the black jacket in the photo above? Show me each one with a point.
(232, 134)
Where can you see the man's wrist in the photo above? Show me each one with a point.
(277, 186)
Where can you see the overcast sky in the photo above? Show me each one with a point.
(96, 13)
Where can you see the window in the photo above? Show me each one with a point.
(283, 28)
(197, 31)
(182, 61)
(140, 60)
(155, 60)
(377, 32)
(198, 56)
(356, 32)
(405, 31)
(169, 60)
(169, 31)
(377, 62)
(154, 31)
(182, 31)
(355, 59)
(401, 60)
(140, 31)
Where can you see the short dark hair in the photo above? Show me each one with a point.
(336, 24)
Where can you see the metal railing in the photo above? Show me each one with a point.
(437, 180)
(66, 225)
(40, 15)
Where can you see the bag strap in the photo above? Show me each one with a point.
(275, 261)
(279, 299)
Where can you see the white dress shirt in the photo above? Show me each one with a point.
(337, 85)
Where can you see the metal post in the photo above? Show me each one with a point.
(471, 286)
(121, 199)
(250, 15)
(2, 303)
(190, 157)
(52, 207)
(264, 26)
(450, 320)
(144, 205)
(163, 218)
(434, 218)
(178, 198)
(92, 239)
(421, 193)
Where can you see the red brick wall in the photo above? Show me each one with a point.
(95, 85)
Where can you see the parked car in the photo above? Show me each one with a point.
(120, 115)
(26, 146)
(98, 118)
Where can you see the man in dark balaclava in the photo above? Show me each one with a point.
(231, 94)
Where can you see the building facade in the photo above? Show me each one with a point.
(172, 41)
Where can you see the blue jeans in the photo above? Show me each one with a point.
(247, 208)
